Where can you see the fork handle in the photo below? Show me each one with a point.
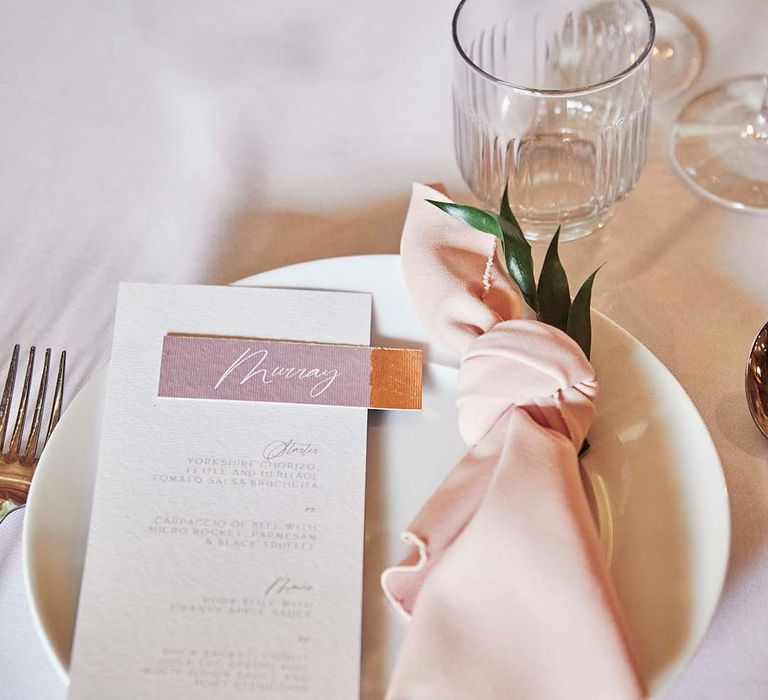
(15, 480)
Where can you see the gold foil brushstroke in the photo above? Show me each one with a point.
(396, 378)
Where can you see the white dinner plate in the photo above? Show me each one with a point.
(669, 531)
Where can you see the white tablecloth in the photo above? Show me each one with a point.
(192, 141)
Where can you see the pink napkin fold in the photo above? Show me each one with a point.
(507, 589)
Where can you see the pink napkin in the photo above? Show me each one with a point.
(507, 589)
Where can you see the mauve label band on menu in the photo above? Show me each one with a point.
(282, 371)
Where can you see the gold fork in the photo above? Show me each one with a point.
(17, 467)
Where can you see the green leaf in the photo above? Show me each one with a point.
(506, 211)
(516, 249)
(519, 260)
(482, 220)
(553, 293)
(579, 318)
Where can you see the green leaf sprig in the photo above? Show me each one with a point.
(550, 298)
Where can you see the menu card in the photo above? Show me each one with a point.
(225, 552)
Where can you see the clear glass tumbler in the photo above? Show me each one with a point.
(553, 99)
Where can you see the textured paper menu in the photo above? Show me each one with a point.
(225, 553)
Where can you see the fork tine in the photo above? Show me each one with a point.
(34, 433)
(5, 402)
(13, 446)
(57, 396)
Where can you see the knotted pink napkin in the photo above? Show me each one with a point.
(507, 588)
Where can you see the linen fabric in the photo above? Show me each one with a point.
(507, 590)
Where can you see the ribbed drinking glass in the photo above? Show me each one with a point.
(553, 100)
